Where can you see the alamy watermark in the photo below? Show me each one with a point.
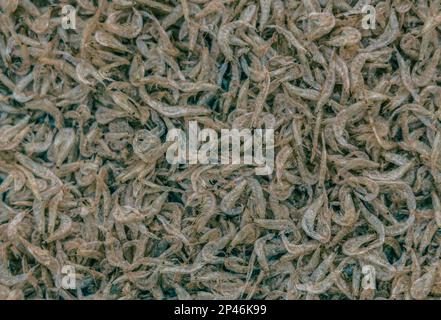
(68, 278)
(69, 12)
(69, 19)
(369, 277)
(368, 21)
(257, 147)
